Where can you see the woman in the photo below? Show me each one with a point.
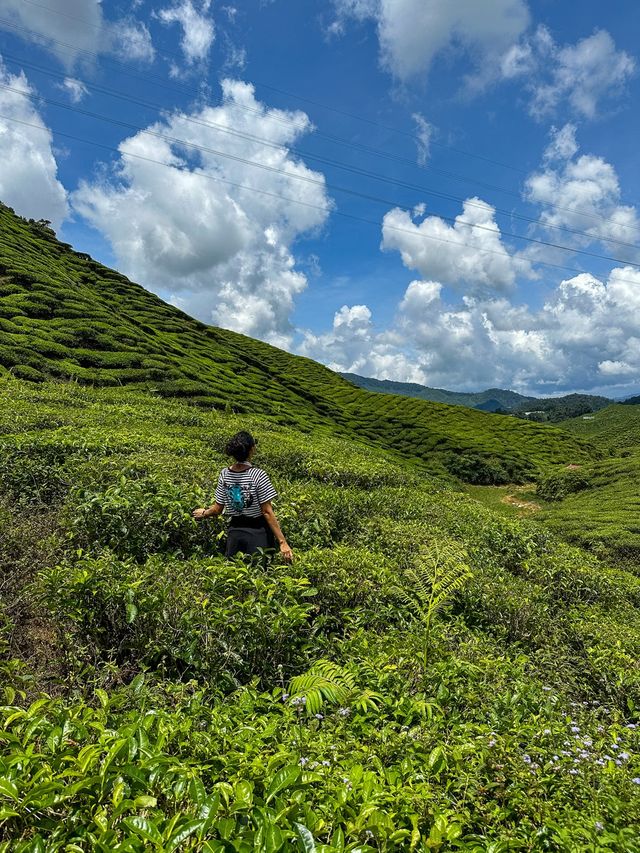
(245, 493)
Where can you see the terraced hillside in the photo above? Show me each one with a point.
(65, 316)
(603, 512)
(616, 429)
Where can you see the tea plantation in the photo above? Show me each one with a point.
(427, 675)
(598, 504)
(64, 316)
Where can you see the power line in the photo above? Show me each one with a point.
(337, 164)
(324, 209)
(446, 173)
(355, 116)
(306, 179)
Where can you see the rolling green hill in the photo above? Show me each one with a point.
(65, 316)
(604, 512)
(616, 429)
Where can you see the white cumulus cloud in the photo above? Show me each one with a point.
(222, 251)
(28, 168)
(198, 31)
(74, 88)
(582, 192)
(74, 30)
(586, 336)
(470, 251)
(354, 346)
(411, 33)
(580, 76)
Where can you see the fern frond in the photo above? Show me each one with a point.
(324, 682)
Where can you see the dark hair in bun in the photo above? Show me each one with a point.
(239, 446)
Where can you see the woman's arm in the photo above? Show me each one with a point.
(272, 521)
(207, 512)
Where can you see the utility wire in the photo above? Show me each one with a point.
(452, 175)
(355, 116)
(222, 128)
(306, 179)
(323, 208)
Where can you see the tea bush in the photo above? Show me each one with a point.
(559, 484)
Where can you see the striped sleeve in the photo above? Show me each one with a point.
(220, 495)
(264, 488)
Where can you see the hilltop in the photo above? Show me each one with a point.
(65, 316)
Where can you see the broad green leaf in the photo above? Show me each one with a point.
(182, 834)
(137, 684)
(6, 813)
(273, 838)
(307, 844)
(132, 612)
(145, 828)
(197, 791)
(145, 802)
(284, 778)
(7, 788)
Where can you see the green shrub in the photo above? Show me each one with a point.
(559, 484)
(226, 622)
(139, 517)
(487, 471)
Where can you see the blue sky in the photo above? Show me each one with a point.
(352, 180)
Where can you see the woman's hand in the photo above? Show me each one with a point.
(286, 553)
(199, 513)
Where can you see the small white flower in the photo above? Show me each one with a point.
(303, 761)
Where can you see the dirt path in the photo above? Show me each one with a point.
(519, 503)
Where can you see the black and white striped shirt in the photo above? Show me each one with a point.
(250, 487)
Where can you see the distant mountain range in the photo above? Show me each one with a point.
(491, 400)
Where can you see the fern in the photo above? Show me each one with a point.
(327, 682)
(441, 569)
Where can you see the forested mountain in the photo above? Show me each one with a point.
(542, 409)
(489, 400)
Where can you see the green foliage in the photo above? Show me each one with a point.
(223, 621)
(158, 697)
(139, 517)
(441, 569)
(491, 471)
(559, 484)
